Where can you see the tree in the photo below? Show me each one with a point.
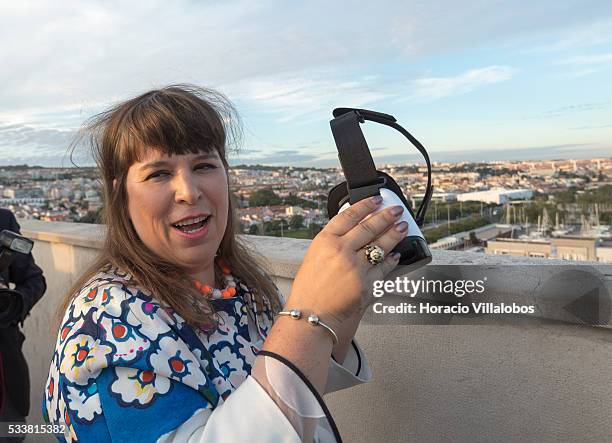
(253, 230)
(276, 227)
(294, 200)
(296, 222)
(92, 217)
(264, 197)
(271, 227)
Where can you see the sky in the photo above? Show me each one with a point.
(484, 80)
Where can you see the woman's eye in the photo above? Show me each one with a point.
(157, 174)
(205, 166)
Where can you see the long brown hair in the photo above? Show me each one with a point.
(177, 119)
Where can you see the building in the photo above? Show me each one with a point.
(566, 248)
(16, 193)
(484, 233)
(497, 196)
(443, 197)
(604, 252)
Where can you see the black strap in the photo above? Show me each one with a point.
(355, 156)
(312, 389)
(358, 358)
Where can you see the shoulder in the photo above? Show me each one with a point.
(108, 292)
(110, 321)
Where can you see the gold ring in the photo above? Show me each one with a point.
(375, 254)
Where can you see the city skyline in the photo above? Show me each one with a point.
(488, 81)
(553, 154)
(564, 198)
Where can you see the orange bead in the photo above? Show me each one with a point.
(198, 284)
(232, 291)
(206, 289)
(225, 294)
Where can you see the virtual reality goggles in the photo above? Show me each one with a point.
(363, 180)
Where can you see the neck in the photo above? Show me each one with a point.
(205, 276)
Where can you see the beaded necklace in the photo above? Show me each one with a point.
(215, 293)
(230, 291)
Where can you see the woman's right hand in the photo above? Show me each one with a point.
(335, 279)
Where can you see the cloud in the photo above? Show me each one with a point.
(591, 63)
(581, 73)
(282, 61)
(539, 152)
(498, 153)
(570, 109)
(425, 28)
(580, 35)
(16, 140)
(66, 54)
(590, 59)
(294, 96)
(307, 98)
(433, 88)
(279, 157)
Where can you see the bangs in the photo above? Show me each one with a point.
(175, 124)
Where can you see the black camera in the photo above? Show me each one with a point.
(11, 301)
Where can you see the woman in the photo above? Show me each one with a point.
(176, 333)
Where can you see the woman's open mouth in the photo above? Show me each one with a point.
(194, 227)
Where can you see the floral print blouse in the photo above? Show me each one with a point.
(127, 369)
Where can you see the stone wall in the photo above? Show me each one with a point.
(466, 381)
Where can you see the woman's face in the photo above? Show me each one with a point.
(178, 205)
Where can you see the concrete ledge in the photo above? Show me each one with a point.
(515, 279)
(76, 234)
(285, 254)
(432, 382)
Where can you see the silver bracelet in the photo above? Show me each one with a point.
(313, 319)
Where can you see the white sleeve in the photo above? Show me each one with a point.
(249, 414)
(275, 404)
(353, 371)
